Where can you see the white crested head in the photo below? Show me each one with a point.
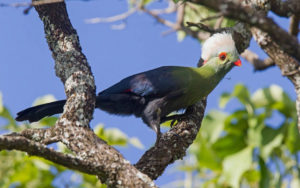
(217, 43)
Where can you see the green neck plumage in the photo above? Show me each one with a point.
(214, 70)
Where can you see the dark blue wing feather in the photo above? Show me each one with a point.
(154, 83)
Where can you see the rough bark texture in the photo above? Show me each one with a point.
(73, 127)
(288, 43)
(288, 65)
(282, 47)
(174, 143)
(91, 154)
(284, 8)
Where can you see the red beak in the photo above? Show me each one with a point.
(238, 63)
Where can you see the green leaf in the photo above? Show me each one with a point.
(264, 174)
(136, 143)
(229, 145)
(295, 183)
(116, 137)
(241, 92)
(267, 96)
(44, 99)
(234, 166)
(146, 2)
(206, 156)
(213, 125)
(252, 176)
(11, 122)
(254, 136)
(180, 35)
(271, 139)
(91, 181)
(48, 121)
(293, 138)
(224, 99)
(113, 136)
(274, 98)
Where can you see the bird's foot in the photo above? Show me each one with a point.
(174, 118)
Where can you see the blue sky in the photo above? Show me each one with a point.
(27, 68)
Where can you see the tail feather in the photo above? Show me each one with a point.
(38, 112)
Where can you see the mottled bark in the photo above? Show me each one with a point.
(248, 15)
(72, 128)
(174, 143)
(284, 8)
(91, 154)
(282, 47)
(288, 65)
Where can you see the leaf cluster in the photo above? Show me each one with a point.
(256, 145)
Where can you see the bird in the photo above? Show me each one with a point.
(152, 95)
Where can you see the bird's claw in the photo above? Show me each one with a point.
(177, 118)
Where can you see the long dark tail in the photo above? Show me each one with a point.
(120, 104)
(38, 112)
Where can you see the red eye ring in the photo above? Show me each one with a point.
(222, 56)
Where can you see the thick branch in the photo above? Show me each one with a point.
(21, 143)
(288, 65)
(254, 18)
(294, 24)
(174, 143)
(285, 8)
(73, 127)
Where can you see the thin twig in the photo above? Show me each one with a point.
(115, 18)
(201, 26)
(172, 7)
(218, 15)
(160, 20)
(219, 22)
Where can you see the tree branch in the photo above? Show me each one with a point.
(21, 143)
(288, 65)
(294, 25)
(257, 19)
(34, 3)
(285, 8)
(174, 143)
(257, 63)
(112, 18)
(73, 126)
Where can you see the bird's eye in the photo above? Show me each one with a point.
(222, 56)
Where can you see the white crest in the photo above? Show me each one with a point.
(217, 43)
